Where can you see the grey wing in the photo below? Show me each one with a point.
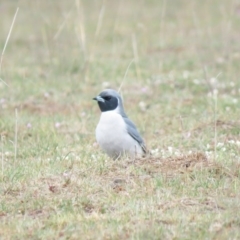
(132, 130)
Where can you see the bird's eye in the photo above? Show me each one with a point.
(107, 98)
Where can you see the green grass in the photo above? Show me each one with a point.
(55, 183)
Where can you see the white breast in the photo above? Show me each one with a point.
(113, 138)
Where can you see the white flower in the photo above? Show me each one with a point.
(231, 141)
(238, 143)
(220, 144)
(154, 151)
(196, 81)
(58, 125)
(170, 149)
(215, 92)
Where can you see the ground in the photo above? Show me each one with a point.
(177, 66)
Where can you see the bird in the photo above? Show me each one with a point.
(116, 134)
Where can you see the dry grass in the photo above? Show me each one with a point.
(177, 64)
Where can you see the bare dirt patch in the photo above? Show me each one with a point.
(172, 165)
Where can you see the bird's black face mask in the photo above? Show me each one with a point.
(106, 102)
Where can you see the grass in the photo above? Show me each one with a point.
(177, 63)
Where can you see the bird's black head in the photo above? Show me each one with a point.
(109, 100)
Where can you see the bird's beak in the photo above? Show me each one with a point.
(99, 99)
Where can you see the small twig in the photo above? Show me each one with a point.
(125, 75)
(61, 26)
(8, 36)
(91, 54)
(163, 13)
(4, 82)
(82, 38)
(100, 18)
(16, 136)
(2, 155)
(215, 95)
(181, 122)
(215, 123)
(135, 54)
